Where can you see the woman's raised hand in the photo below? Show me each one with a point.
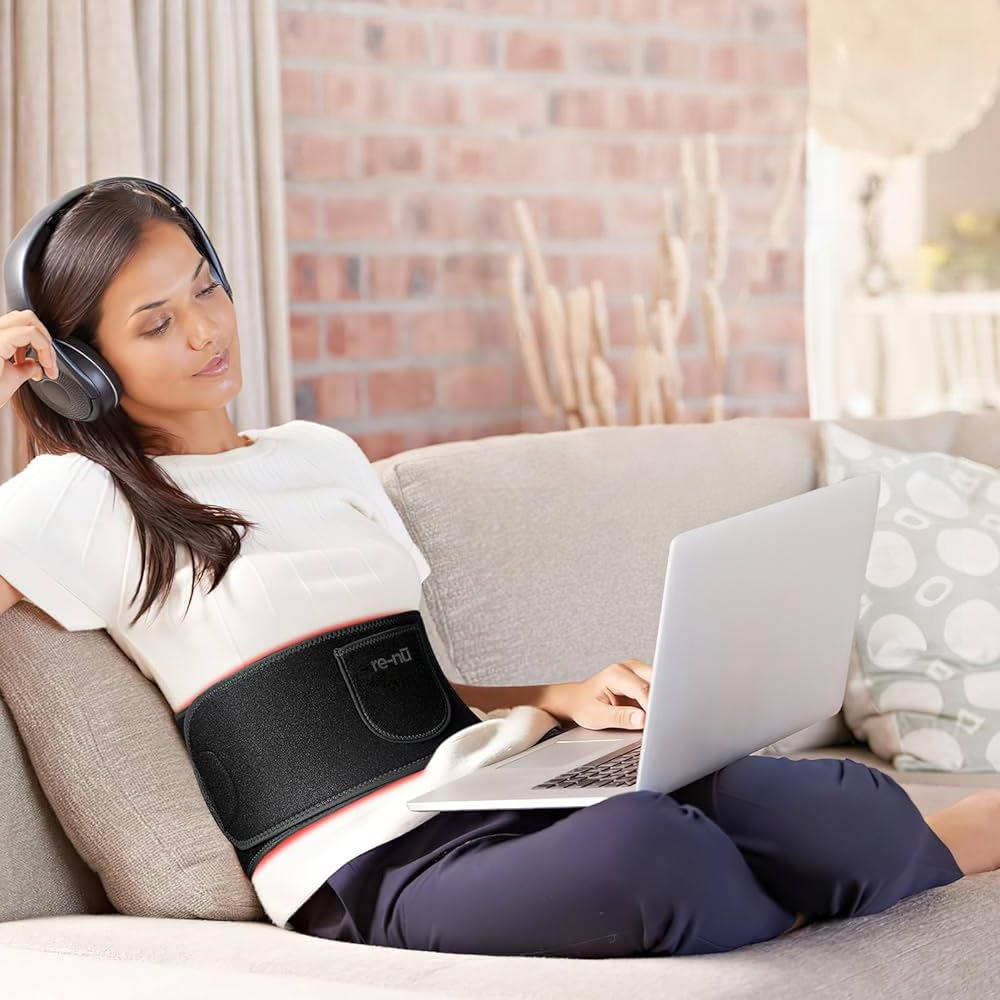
(20, 330)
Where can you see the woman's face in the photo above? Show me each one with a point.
(163, 319)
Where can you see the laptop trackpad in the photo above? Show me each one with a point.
(558, 753)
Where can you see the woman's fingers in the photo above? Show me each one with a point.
(627, 679)
(22, 329)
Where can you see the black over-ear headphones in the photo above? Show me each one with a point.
(87, 387)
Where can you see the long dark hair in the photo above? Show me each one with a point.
(93, 240)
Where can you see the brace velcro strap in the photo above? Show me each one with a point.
(314, 726)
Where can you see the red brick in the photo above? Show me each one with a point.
(507, 102)
(633, 215)
(771, 111)
(757, 65)
(400, 277)
(469, 274)
(580, 108)
(796, 373)
(303, 275)
(382, 444)
(494, 216)
(531, 50)
(617, 161)
(298, 91)
(662, 160)
(396, 42)
(461, 47)
(339, 278)
(723, 112)
(459, 331)
(457, 216)
(759, 374)
(635, 10)
(599, 53)
(399, 391)
(669, 57)
(359, 336)
(499, 6)
(434, 214)
(562, 269)
(699, 376)
(575, 218)
(304, 331)
(477, 386)
(646, 272)
(300, 217)
(703, 15)
(762, 322)
(692, 112)
(428, 102)
(305, 34)
(470, 158)
(644, 109)
(617, 271)
(355, 96)
(393, 156)
(573, 9)
(337, 396)
(357, 218)
(311, 157)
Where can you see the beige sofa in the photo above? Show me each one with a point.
(548, 553)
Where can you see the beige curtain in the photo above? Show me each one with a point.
(186, 92)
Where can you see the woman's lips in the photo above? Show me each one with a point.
(218, 366)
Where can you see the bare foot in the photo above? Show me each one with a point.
(970, 829)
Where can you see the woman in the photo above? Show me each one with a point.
(232, 544)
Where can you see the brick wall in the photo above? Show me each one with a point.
(410, 126)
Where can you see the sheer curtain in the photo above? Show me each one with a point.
(186, 92)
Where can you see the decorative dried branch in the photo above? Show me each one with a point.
(538, 376)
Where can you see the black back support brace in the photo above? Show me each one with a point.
(310, 728)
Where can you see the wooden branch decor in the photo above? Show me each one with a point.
(716, 251)
(579, 341)
(647, 405)
(602, 377)
(671, 378)
(538, 376)
(554, 317)
(576, 330)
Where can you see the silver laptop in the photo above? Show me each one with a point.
(754, 640)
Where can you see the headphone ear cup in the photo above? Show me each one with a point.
(86, 388)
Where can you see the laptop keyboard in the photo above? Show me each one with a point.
(618, 771)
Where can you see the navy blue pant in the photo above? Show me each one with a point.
(725, 861)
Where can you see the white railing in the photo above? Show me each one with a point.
(918, 352)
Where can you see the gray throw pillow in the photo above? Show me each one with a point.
(924, 683)
(113, 766)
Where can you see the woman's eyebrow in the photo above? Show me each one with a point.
(161, 302)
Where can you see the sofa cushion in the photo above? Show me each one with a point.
(42, 873)
(114, 768)
(549, 550)
(935, 944)
(924, 687)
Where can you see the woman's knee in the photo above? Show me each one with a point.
(848, 839)
(685, 882)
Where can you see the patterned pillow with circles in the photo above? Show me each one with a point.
(924, 684)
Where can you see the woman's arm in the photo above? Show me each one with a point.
(550, 697)
(616, 696)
